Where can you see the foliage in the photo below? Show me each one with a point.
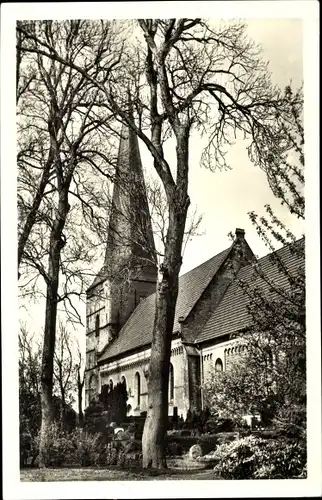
(29, 399)
(76, 448)
(257, 458)
(270, 376)
(89, 449)
(196, 420)
(58, 447)
(96, 419)
(114, 400)
(276, 341)
(29, 395)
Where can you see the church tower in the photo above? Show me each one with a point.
(129, 272)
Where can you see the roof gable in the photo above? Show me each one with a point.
(232, 315)
(137, 331)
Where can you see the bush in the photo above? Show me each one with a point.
(88, 449)
(114, 400)
(257, 458)
(58, 447)
(174, 449)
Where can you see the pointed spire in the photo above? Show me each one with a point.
(130, 235)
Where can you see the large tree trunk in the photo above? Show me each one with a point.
(157, 416)
(47, 369)
(155, 428)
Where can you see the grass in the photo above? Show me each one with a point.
(111, 474)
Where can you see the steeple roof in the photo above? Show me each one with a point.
(130, 241)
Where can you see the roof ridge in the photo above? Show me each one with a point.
(205, 262)
(291, 243)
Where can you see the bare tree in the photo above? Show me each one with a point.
(64, 368)
(59, 107)
(80, 381)
(185, 74)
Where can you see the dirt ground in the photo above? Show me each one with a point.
(98, 474)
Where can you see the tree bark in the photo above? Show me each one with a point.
(155, 428)
(56, 244)
(80, 385)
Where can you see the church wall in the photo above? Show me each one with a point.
(177, 360)
(138, 363)
(226, 352)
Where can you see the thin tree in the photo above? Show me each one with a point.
(64, 368)
(80, 381)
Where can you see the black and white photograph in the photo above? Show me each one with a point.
(160, 249)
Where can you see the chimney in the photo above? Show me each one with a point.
(240, 233)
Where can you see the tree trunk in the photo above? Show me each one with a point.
(157, 416)
(47, 369)
(155, 428)
(80, 404)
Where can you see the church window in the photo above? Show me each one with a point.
(137, 388)
(218, 365)
(97, 325)
(171, 383)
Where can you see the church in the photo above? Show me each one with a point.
(211, 308)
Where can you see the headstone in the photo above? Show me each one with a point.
(195, 451)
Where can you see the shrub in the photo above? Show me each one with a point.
(173, 449)
(257, 458)
(88, 449)
(114, 400)
(58, 446)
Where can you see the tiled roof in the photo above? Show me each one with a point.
(231, 314)
(137, 331)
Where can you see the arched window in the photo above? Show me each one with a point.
(97, 325)
(137, 388)
(171, 383)
(219, 365)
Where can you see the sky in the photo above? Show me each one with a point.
(223, 197)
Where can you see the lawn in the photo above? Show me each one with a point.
(112, 474)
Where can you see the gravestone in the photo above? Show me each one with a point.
(195, 451)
